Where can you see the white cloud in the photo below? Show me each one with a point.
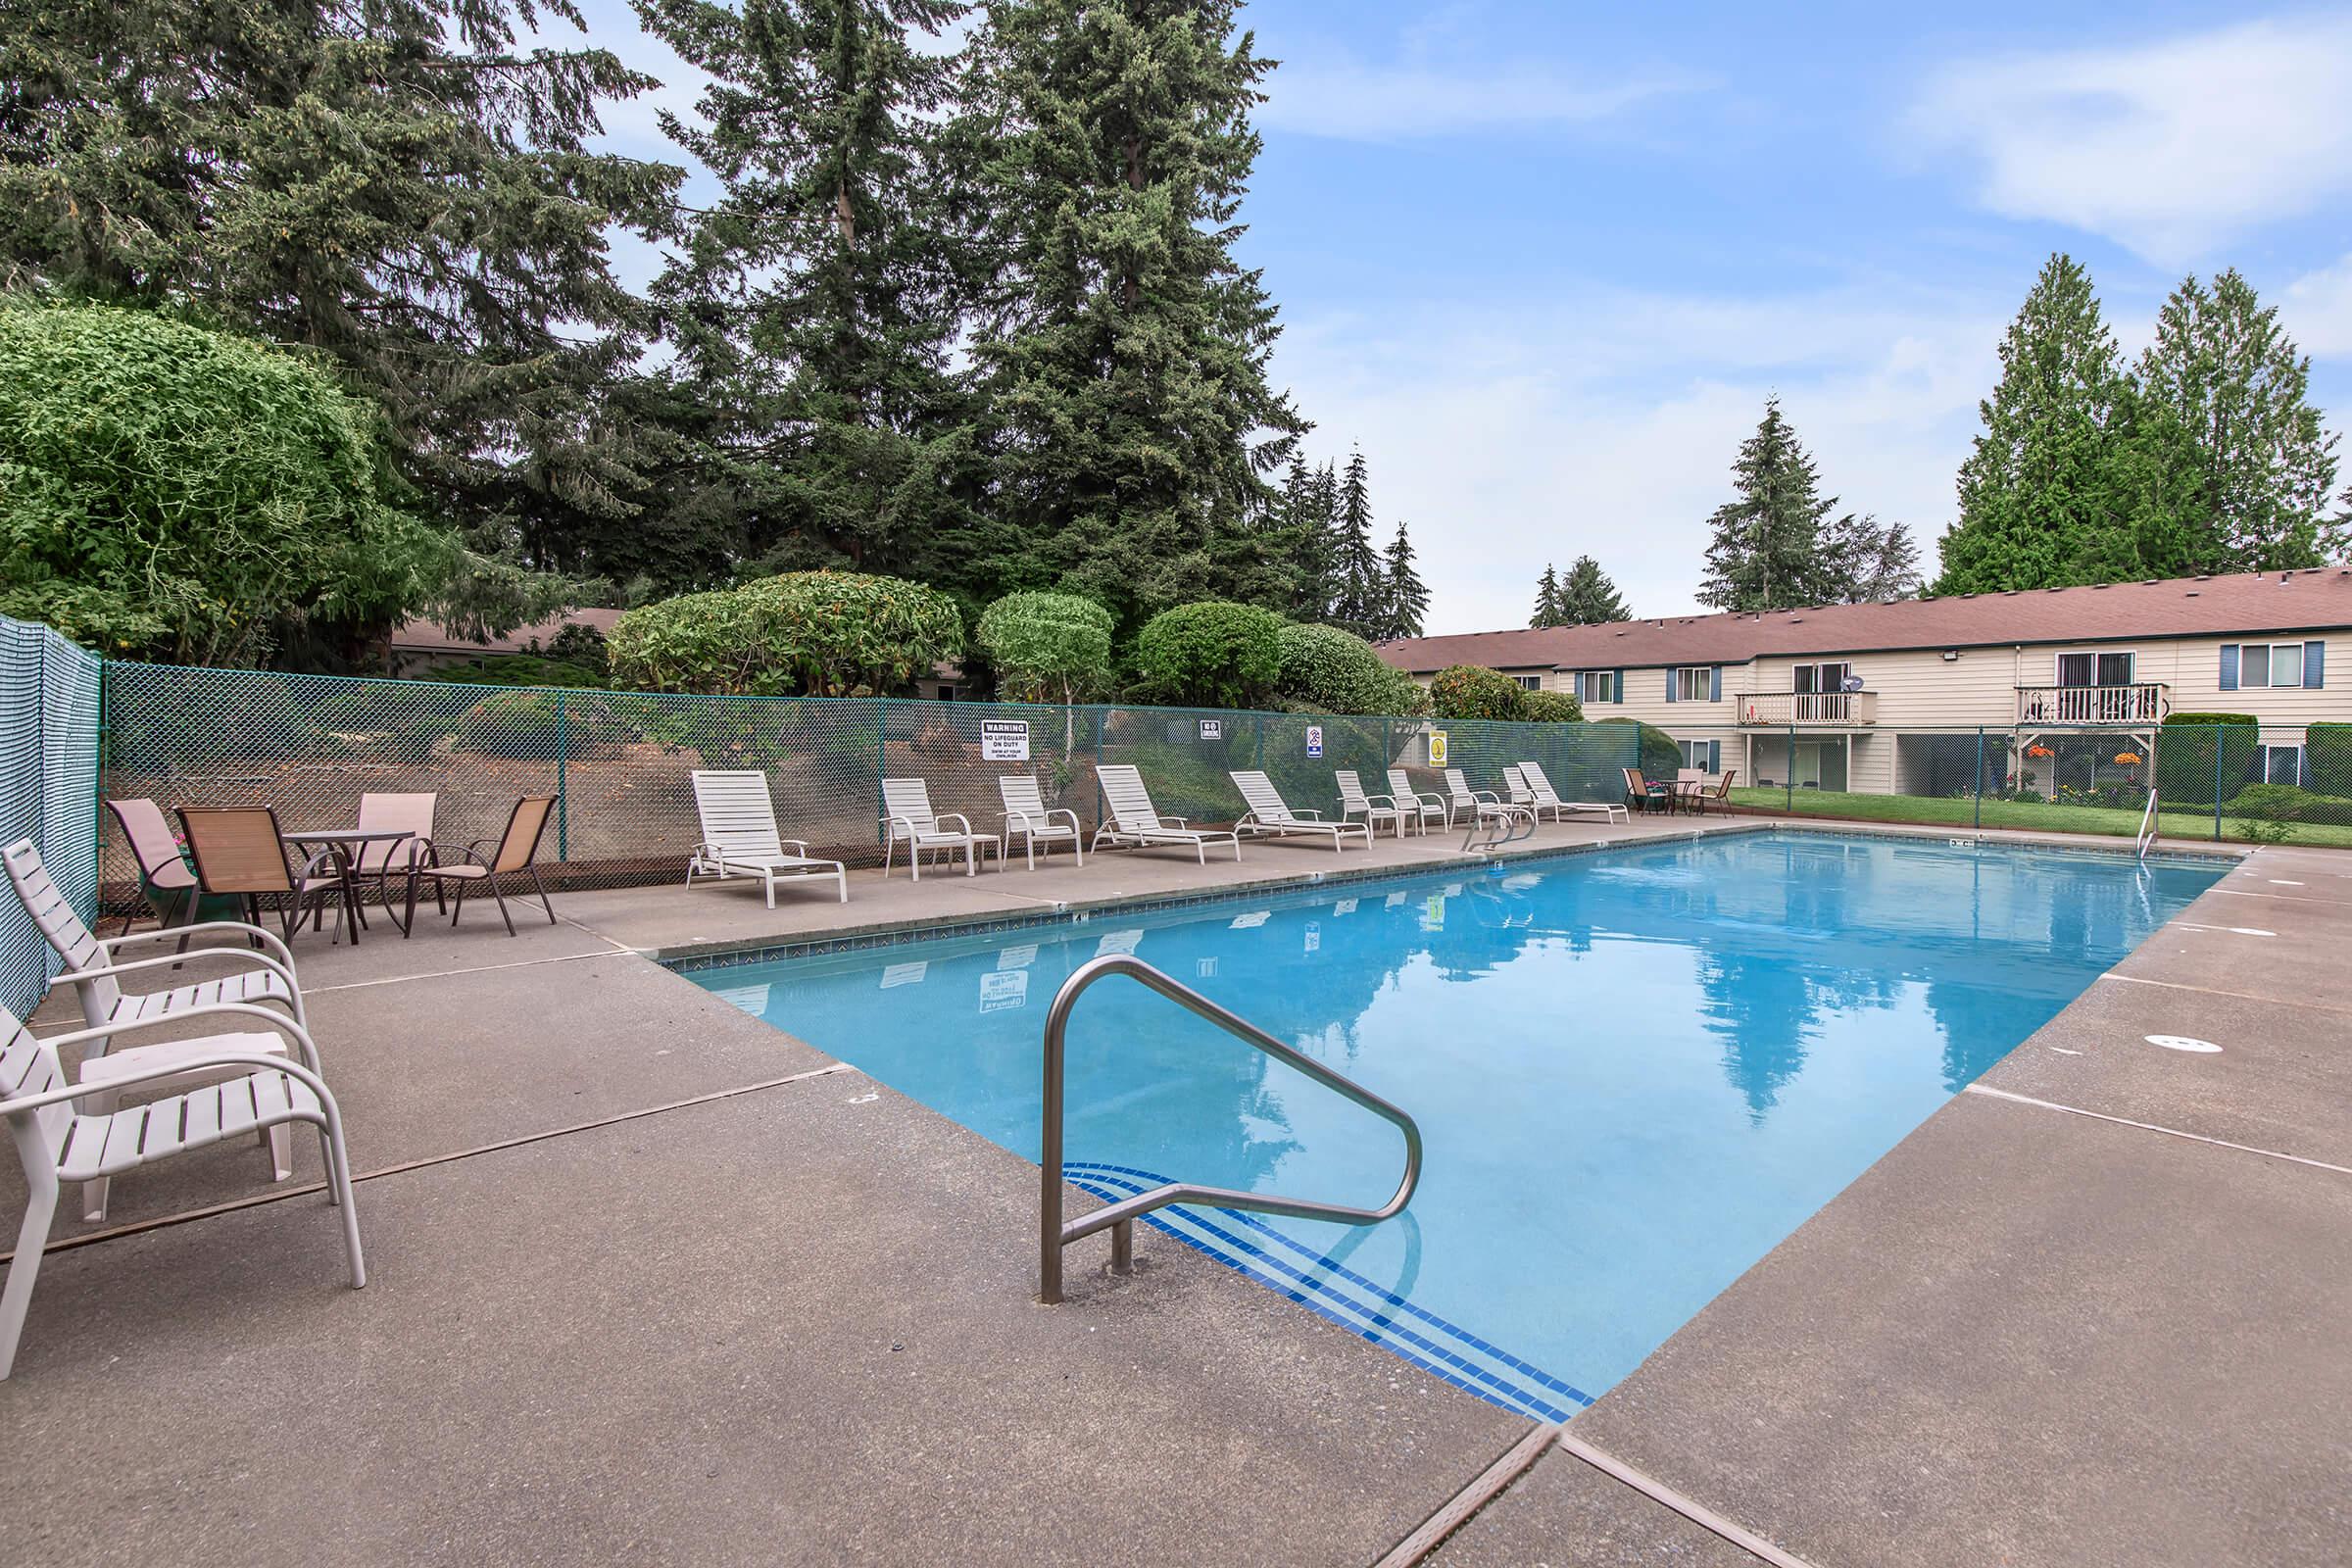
(1327, 95)
(2317, 312)
(1609, 427)
(2172, 147)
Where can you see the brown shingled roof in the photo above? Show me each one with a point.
(2180, 607)
(425, 637)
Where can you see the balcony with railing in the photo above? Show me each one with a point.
(2142, 703)
(1808, 709)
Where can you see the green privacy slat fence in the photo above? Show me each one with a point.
(311, 745)
(49, 696)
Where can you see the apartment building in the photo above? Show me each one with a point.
(1887, 699)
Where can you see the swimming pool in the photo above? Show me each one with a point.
(1636, 1071)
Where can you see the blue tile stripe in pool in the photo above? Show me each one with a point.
(1468, 1362)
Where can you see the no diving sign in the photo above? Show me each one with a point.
(1314, 740)
(1005, 740)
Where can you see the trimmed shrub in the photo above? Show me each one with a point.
(1335, 671)
(1553, 708)
(1047, 647)
(520, 724)
(1209, 654)
(1661, 753)
(818, 633)
(2328, 758)
(2185, 755)
(2286, 803)
(1473, 691)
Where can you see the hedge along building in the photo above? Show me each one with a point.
(1889, 699)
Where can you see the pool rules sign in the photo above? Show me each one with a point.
(1005, 740)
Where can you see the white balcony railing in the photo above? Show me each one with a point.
(1782, 709)
(2145, 703)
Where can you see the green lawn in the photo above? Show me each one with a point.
(2039, 815)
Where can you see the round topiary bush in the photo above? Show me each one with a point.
(1553, 708)
(2196, 752)
(1336, 671)
(1209, 654)
(1473, 691)
(1661, 753)
(1047, 647)
(818, 633)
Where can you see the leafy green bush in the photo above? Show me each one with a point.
(1337, 672)
(2187, 748)
(174, 492)
(510, 724)
(1209, 654)
(2328, 758)
(1047, 647)
(1553, 708)
(822, 634)
(1661, 753)
(519, 669)
(2286, 803)
(1473, 691)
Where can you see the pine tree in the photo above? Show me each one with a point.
(406, 189)
(1405, 601)
(2058, 488)
(1547, 600)
(1105, 148)
(1766, 552)
(1587, 598)
(1870, 562)
(2248, 473)
(1357, 571)
(816, 302)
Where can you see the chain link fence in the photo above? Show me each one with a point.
(618, 763)
(49, 696)
(2247, 781)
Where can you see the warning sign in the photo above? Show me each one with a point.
(1005, 740)
(1314, 740)
(1212, 729)
(1001, 989)
(1437, 748)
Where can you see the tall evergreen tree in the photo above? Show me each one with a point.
(2059, 486)
(1766, 551)
(1547, 600)
(1405, 600)
(1587, 598)
(406, 188)
(1107, 148)
(1358, 572)
(2249, 471)
(1870, 562)
(816, 301)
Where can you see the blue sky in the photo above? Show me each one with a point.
(1546, 263)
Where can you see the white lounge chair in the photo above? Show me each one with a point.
(255, 1092)
(910, 820)
(740, 836)
(1354, 803)
(1270, 816)
(1460, 798)
(1547, 798)
(1420, 804)
(1027, 814)
(1135, 823)
(90, 969)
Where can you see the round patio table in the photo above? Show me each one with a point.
(346, 845)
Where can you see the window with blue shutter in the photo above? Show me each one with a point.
(1715, 747)
(2315, 664)
(2228, 667)
(1715, 684)
(1617, 687)
(1674, 678)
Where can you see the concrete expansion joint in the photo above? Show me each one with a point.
(2152, 1127)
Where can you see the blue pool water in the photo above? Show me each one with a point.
(1635, 1071)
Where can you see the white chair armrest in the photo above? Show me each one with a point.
(307, 1076)
(798, 846)
(952, 816)
(894, 823)
(1489, 796)
(1021, 817)
(210, 1009)
(1064, 811)
(1312, 813)
(1180, 821)
(256, 961)
(271, 939)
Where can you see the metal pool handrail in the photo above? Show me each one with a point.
(1119, 1218)
(2146, 836)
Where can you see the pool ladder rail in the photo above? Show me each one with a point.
(1054, 1234)
(2145, 838)
(1492, 830)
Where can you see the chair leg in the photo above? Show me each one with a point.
(40, 1206)
(540, 883)
(457, 905)
(492, 879)
(337, 1155)
(94, 1190)
(281, 1140)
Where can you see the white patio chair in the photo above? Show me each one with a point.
(1460, 797)
(910, 820)
(1427, 808)
(1135, 823)
(95, 977)
(1547, 798)
(255, 1092)
(1270, 816)
(1354, 803)
(1027, 814)
(740, 836)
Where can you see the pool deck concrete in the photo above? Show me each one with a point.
(652, 1283)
